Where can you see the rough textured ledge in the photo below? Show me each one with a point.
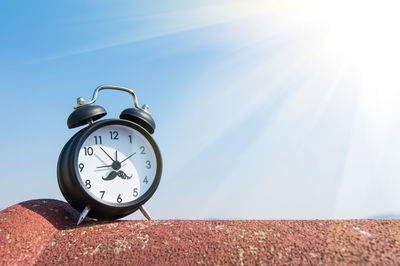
(44, 232)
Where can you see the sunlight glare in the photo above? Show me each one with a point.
(367, 33)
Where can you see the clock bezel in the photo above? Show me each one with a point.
(73, 188)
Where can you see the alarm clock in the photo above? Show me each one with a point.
(111, 167)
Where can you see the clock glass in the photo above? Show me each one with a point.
(116, 164)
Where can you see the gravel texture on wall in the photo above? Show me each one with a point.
(44, 232)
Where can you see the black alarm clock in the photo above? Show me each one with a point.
(111, 167)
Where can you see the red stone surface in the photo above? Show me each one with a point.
(44, 232)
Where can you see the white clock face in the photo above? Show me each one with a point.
(117, 164)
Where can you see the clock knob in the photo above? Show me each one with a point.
(140, 117)
(84, 113)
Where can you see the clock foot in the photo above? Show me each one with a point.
(145, 213)
(83, 215)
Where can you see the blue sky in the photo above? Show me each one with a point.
(264, 110)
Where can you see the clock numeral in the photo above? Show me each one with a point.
(142, 149)
(119, 199)
(145, 180)
(102, 193)
(97, 140)
(81, 166)
(130, 139)
(114, 135)
(135, 192)
(87, 184)
(88, 151)
(148, 165)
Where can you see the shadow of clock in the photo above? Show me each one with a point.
(57, 213)
(31, 227)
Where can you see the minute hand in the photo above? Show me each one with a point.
(107, 154)
(128, 157)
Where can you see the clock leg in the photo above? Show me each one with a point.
(145, 213)
(83, 215)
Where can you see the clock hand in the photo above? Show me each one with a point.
(110, 176)
(107, 154)
(128, 157)
(116, 155)
(104, 166)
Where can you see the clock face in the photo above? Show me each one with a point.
(116, 164)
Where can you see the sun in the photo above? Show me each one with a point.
(367, 34)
